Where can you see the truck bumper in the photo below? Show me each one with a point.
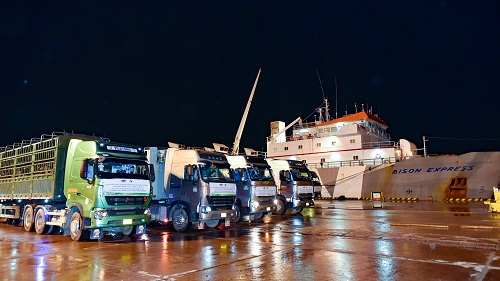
(307, 203)
(218, 215)
(117, 221)
(263, 208)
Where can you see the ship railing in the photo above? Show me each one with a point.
(380, 144)
(304, 125)
(305, 136)
(351, 163)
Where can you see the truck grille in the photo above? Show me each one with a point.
(220, 200)
(305, 196)
(125, 200)
(266, 200)
(125, 212)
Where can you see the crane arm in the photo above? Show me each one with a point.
(273, 138)
(236, 144)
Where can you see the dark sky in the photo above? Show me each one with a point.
(149, 72)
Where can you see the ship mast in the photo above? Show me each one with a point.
(336, 102)
(237, 139)
(325, 102)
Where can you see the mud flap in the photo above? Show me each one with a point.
(201, 225)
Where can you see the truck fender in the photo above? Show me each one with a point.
(282, 197)
(45, 210)
(237, 201)
(73, 207)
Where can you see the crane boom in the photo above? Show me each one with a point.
(236, 144)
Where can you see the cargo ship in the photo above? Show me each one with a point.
(356, 158)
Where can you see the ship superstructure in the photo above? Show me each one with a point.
(354, 156)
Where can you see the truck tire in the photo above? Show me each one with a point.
(40, 226)
(128, 230)
(280, 207)
(76, 230)
(28, 220)
(258, 216)
(296, 210)
(213, 223)
(180, 219)
(237, 218)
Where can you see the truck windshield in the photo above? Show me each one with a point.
(216, 172)
(122, 168)
(261, 173)
(300, 174)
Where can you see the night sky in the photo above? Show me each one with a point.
(149, 72)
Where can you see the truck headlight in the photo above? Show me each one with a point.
(99, 215)
(147, 212)
(255, 204)
(206, 209)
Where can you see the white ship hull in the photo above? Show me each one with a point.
(470, 175)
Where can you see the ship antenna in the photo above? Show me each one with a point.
(325, 101)
(336, 102)
(321, 85)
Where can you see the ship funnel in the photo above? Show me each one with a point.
(276, 128)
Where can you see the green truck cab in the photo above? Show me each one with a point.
(82, 186)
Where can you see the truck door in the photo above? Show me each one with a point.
(191, 186)
(175, 183)
(286, 183)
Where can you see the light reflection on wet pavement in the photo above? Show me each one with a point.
(338, 240)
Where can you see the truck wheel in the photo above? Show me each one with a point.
(76, 230)
(258, 216)
(40, 226)
(28, 219)
(213, 223)
(237, 218)
(280, 207)
(128, 230)
(180, 220)
(296, 210)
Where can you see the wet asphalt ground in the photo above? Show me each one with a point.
(337, 240)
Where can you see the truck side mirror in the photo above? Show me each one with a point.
(195, 174)
(87, 170)
(83, 170)
(152, 175)
(189, 170)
